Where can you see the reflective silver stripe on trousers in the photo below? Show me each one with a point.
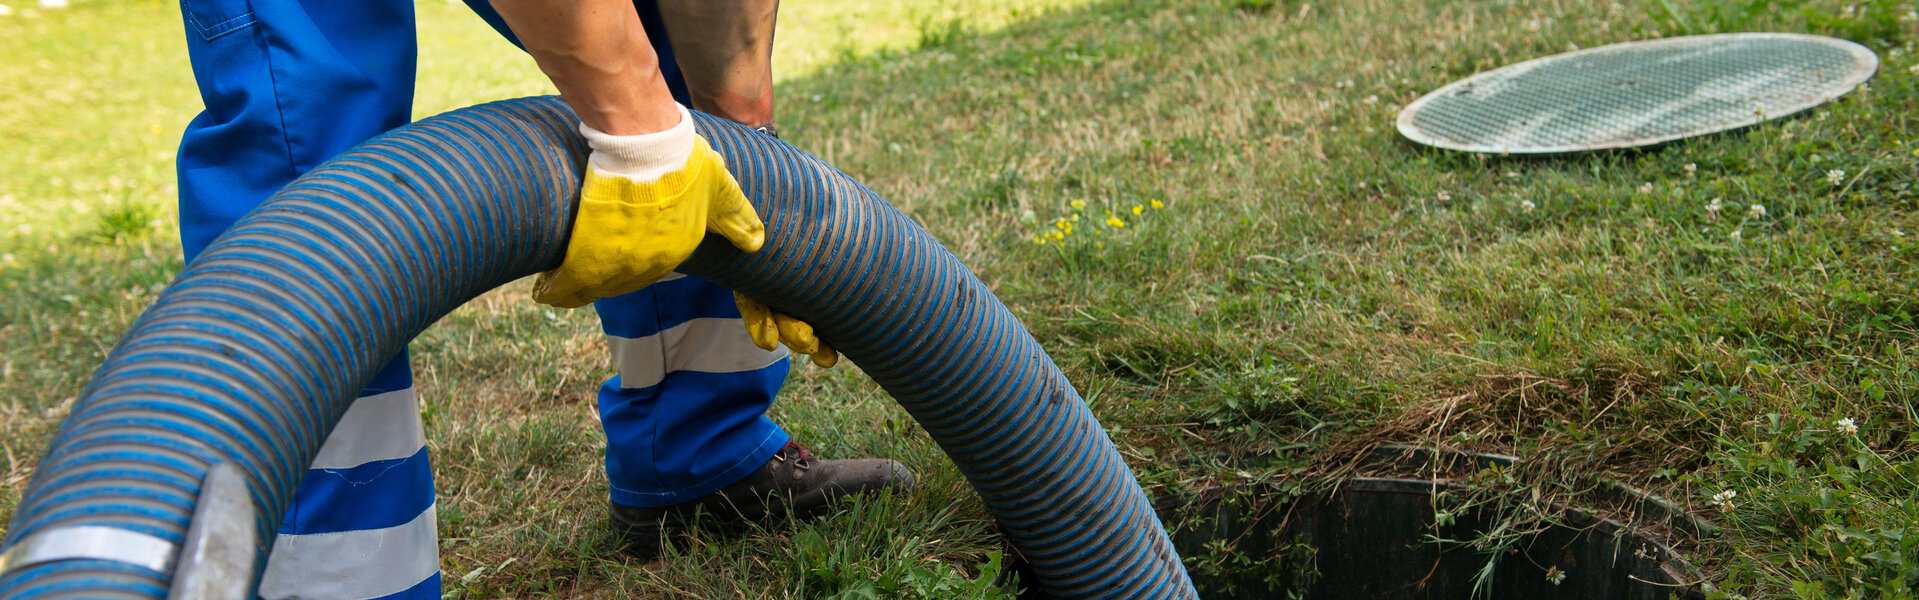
(353, 565)
(378, 427)
(703, 345)
(366, 563)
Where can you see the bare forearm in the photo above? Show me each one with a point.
(597, 54)
(725, 51)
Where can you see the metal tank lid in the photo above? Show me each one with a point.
(1637, 93)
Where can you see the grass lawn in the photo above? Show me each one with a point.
(1291, 281)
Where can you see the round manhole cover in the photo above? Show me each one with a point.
(1637, 93)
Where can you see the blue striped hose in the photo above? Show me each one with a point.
(254, 353)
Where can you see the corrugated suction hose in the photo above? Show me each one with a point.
(253, 354)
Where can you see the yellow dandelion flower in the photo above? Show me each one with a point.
(1076, 218)
(1056, 236)
(1079, 204)
(1156, 204)
(1062, 224)
(1115, 222)
(1136, 209)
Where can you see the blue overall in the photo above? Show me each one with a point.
(288, 84)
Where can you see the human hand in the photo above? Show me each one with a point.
(770, 327)
(645, 205)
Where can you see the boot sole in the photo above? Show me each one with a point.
(645, 541)
(648, 540)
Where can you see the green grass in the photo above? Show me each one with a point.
(1312, 284)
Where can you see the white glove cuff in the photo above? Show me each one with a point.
(645, 157)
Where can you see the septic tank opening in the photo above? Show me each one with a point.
(1389, 538)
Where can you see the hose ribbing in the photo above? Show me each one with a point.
(256, 350)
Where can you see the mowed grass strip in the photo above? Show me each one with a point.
(1202, 210)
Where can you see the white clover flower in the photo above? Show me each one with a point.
(1736, 235)
(1371, 99)
(1723, 500)
(1527, 206)
(1691, 168)
(1836, 176)
(1645, 188)
(1755, 211)
(1443, 195)
(1846, 426)
(1712, 209)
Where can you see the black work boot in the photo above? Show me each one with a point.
(792, 484)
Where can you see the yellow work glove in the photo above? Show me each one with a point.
(646, 203)
(770, 327)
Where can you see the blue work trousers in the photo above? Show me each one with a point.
(288, 84)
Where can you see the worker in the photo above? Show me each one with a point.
(288, 84)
